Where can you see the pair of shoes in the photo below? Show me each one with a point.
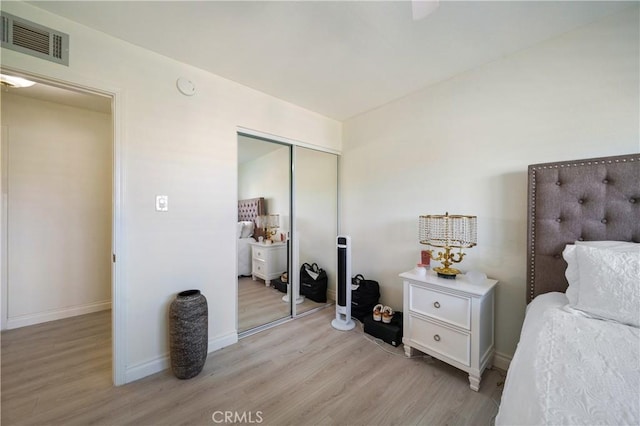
(377, 312)
(387, 314)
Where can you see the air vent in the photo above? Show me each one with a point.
(33, 39)
(4, 29)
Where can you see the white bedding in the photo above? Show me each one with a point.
(244, 256)
(572, 370)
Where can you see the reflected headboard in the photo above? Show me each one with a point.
(249, 210)
(582, 200)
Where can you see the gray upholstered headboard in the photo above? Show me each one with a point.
(590, 200)
(250, 208)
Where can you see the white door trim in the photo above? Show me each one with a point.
(118, 300)
(282, 139)
(4, 307)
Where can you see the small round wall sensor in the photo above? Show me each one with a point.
(186, 86)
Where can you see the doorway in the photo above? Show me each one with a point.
(58, 210)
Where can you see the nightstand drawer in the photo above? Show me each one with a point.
(259, 267)
(260, 253)
(453, 344)
(449, 308)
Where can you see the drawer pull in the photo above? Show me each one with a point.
(260, 253)
(436, 337)
(436, 305)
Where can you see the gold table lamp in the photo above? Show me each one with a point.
(449, 232)
(270, 223)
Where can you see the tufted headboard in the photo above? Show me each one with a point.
(585, 200)
(249, 210)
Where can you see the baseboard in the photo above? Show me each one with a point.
(501, 361)
(222, 341)
(147, 368)
(163, 362)
(331, 294)
(40, 317)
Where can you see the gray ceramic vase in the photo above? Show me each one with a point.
(188, 333)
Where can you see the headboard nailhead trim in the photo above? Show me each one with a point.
(532, 202)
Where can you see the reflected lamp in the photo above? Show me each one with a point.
(269, 223)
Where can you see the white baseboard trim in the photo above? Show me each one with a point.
(40, 317)
(501, 361)
(163, 362)
(144, 369)
(222, 341)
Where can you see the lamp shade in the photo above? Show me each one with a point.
(273, 221)
(447, 230)
(269, 223)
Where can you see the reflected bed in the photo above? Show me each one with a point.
(247, 232)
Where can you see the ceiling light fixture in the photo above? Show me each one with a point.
(16, 82)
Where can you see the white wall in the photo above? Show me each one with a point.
(59, 210)
(463, 146)
(268, 176)
(186, 148)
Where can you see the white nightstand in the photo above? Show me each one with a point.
(268, 261)
(451, 320)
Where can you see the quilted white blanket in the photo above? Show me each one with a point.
(569, 369)
(244, 256)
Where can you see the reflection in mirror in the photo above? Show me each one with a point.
(263, 225)
(316, 202)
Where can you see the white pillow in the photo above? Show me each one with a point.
(609, 283)
(247, 229)
(239, 228)
(569, 255)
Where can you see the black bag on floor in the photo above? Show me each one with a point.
(365, 294)
(313, 282)
(279, 285)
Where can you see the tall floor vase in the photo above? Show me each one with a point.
(188, 333)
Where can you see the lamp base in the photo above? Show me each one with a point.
(448, 273)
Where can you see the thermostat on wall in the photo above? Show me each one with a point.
(162, 203)
(186, 86)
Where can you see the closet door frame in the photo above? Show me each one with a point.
(294, 254)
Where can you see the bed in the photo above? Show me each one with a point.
(578, 359)
(247, 232)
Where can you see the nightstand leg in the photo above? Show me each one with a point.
(409, 351)
(474, 382)
(253, 277)
(267, 282)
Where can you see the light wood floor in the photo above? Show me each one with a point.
(299, 373)
(259, 304)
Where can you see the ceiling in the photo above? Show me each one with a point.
(250, 148)
(337, 58)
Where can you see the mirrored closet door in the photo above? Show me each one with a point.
(264, 213)
(287, 218)
(315, 182)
